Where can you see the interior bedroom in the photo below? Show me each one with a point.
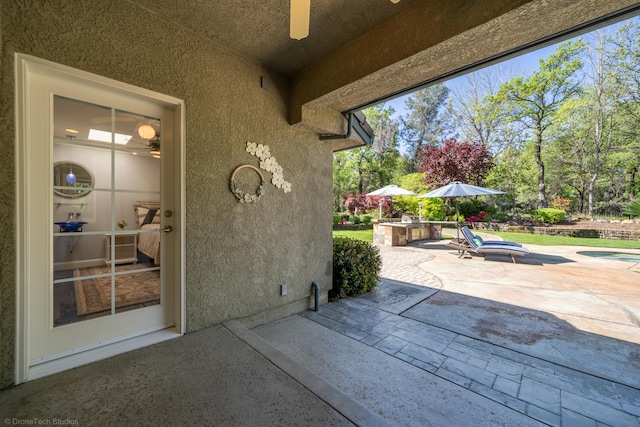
(106, 211)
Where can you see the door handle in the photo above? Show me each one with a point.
(167, 229)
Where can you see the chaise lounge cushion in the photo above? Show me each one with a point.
(480, 241)
(476, 245)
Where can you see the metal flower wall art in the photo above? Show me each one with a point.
(267, 163)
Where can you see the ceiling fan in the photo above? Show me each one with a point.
(149, 134)
(299, 15)
(150, 140)
(154, 146)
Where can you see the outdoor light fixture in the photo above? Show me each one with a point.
(146, 132)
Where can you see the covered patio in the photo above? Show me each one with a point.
(553, 339)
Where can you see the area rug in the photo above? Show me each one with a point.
(94, 295)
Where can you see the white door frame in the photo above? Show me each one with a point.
(25, 67)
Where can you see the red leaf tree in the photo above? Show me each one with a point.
(364, 203)
(455, 161)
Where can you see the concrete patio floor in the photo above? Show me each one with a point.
(553, 339)
(555, 336)
(556, 303)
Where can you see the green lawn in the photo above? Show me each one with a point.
(366, 235)
(539, 239)
(524, 238)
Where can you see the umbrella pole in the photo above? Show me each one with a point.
(457, 223)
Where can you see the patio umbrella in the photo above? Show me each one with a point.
(390, 190)
(459, 189)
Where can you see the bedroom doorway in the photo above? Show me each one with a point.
(103, 182)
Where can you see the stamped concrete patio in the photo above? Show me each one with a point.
(553, 339)
(555, 336)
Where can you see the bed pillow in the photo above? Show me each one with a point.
(149, 217)
(146, 215)
(141, 214)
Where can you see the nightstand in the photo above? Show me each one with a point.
(126, 248)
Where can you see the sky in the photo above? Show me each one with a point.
(522, 65)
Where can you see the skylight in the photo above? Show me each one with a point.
(102, 136)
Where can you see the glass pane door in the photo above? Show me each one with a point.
(106, 236)
(96, 275)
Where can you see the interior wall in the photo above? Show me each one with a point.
(237, 254)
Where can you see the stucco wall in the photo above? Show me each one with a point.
(237, 255)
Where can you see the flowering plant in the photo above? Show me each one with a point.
(122, 224)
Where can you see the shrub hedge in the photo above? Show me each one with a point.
(356, 267)
(633, 208)
(550, 215)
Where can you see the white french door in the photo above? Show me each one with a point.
(100, 259)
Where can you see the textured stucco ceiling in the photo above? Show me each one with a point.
(259, 29)
(363, 51)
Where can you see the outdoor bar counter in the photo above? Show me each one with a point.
(407, 230)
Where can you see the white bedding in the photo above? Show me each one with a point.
(149, 242)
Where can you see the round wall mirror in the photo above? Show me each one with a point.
(71, 180)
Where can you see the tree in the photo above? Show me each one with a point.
(584, 128)
(513, 172)
(363, 169)
(432, 208)
(425, 123)
(477, 114)
(455, 161)
(386, 157)
(343, 177)
(627, 42)
(569, 157)
(535, 100)
(599, 104)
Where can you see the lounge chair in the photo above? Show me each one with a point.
(463, 242)
(480, 241)
(474, 244)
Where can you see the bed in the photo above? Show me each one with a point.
(147, 216)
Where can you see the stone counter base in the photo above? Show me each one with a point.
(399, 234)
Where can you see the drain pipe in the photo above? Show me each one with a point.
(345, 136)
(316, 291)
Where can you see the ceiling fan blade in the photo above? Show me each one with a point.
(299, 14)
(107, 119)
